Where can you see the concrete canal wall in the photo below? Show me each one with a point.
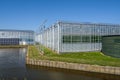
(74, 66)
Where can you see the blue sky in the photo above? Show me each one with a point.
(29, 14)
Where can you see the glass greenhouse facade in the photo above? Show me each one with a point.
(76, 37)
(16, 37)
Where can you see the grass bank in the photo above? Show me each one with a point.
(93, 58)
(13, 46)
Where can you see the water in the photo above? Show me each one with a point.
(13, 67)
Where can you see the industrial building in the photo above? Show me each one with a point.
(16, 37)
(76, 37)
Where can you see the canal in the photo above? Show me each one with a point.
(13, 67)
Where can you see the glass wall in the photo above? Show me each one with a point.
(15, 37)
(77, 37)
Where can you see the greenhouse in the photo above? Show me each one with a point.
(16, 37)
(64, 37)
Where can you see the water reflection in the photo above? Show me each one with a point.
(64, 74)
(12, 63)
(12, 67)
(46, 74)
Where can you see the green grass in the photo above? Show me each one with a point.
(93, 58)
(13, 46)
